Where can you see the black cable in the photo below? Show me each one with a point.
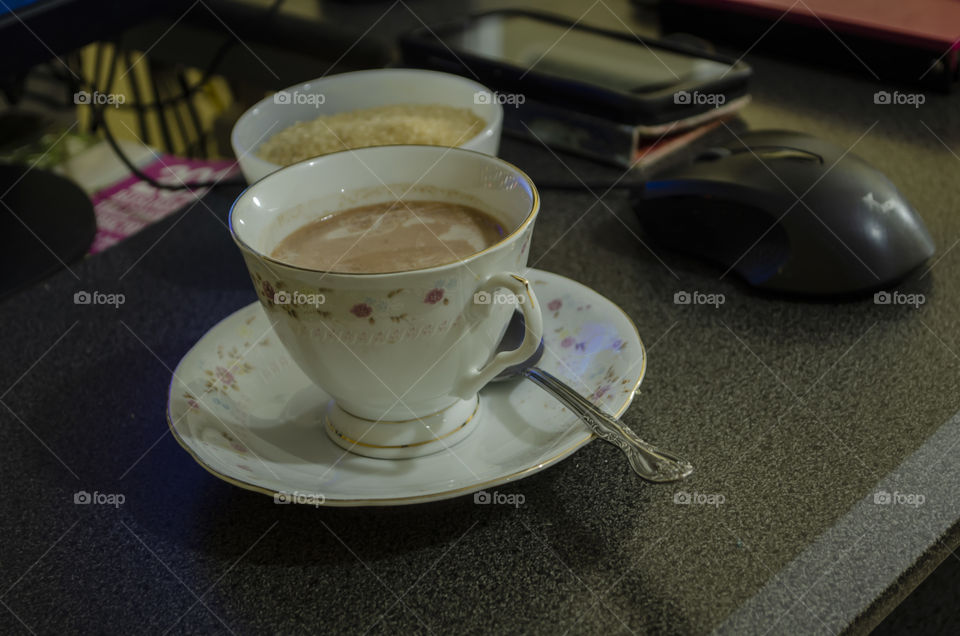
(137, 98)
(201, 142)
(74, 66)
(161, 113)
(208, 73)
(135, 171)
(99, 116)
(97, 61)
(181, 125)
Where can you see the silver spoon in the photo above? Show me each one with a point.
(648, 461)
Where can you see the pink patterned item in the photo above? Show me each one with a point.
(127, 207)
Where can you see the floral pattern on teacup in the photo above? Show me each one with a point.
(434, 296)
(362, 310)
(293, 302)
(347, 308)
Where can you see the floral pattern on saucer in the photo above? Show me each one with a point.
(241, 407)
(585, 349)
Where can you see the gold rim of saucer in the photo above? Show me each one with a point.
(434, 496)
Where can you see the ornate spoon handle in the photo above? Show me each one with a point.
(648, 461)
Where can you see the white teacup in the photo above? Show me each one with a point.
(403, 354)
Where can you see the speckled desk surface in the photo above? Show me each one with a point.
(797, 413)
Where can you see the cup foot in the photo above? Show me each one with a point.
(401, 440)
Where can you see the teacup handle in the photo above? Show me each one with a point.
(475, 379)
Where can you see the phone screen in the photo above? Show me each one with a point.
(578, 54)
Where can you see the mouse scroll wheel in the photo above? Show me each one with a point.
(788, 153)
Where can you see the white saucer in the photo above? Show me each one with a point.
(243, 409)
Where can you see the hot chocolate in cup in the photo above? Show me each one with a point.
(402, 353)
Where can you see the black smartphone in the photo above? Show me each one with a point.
(609, 74)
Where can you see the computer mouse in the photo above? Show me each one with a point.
(788, 212)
